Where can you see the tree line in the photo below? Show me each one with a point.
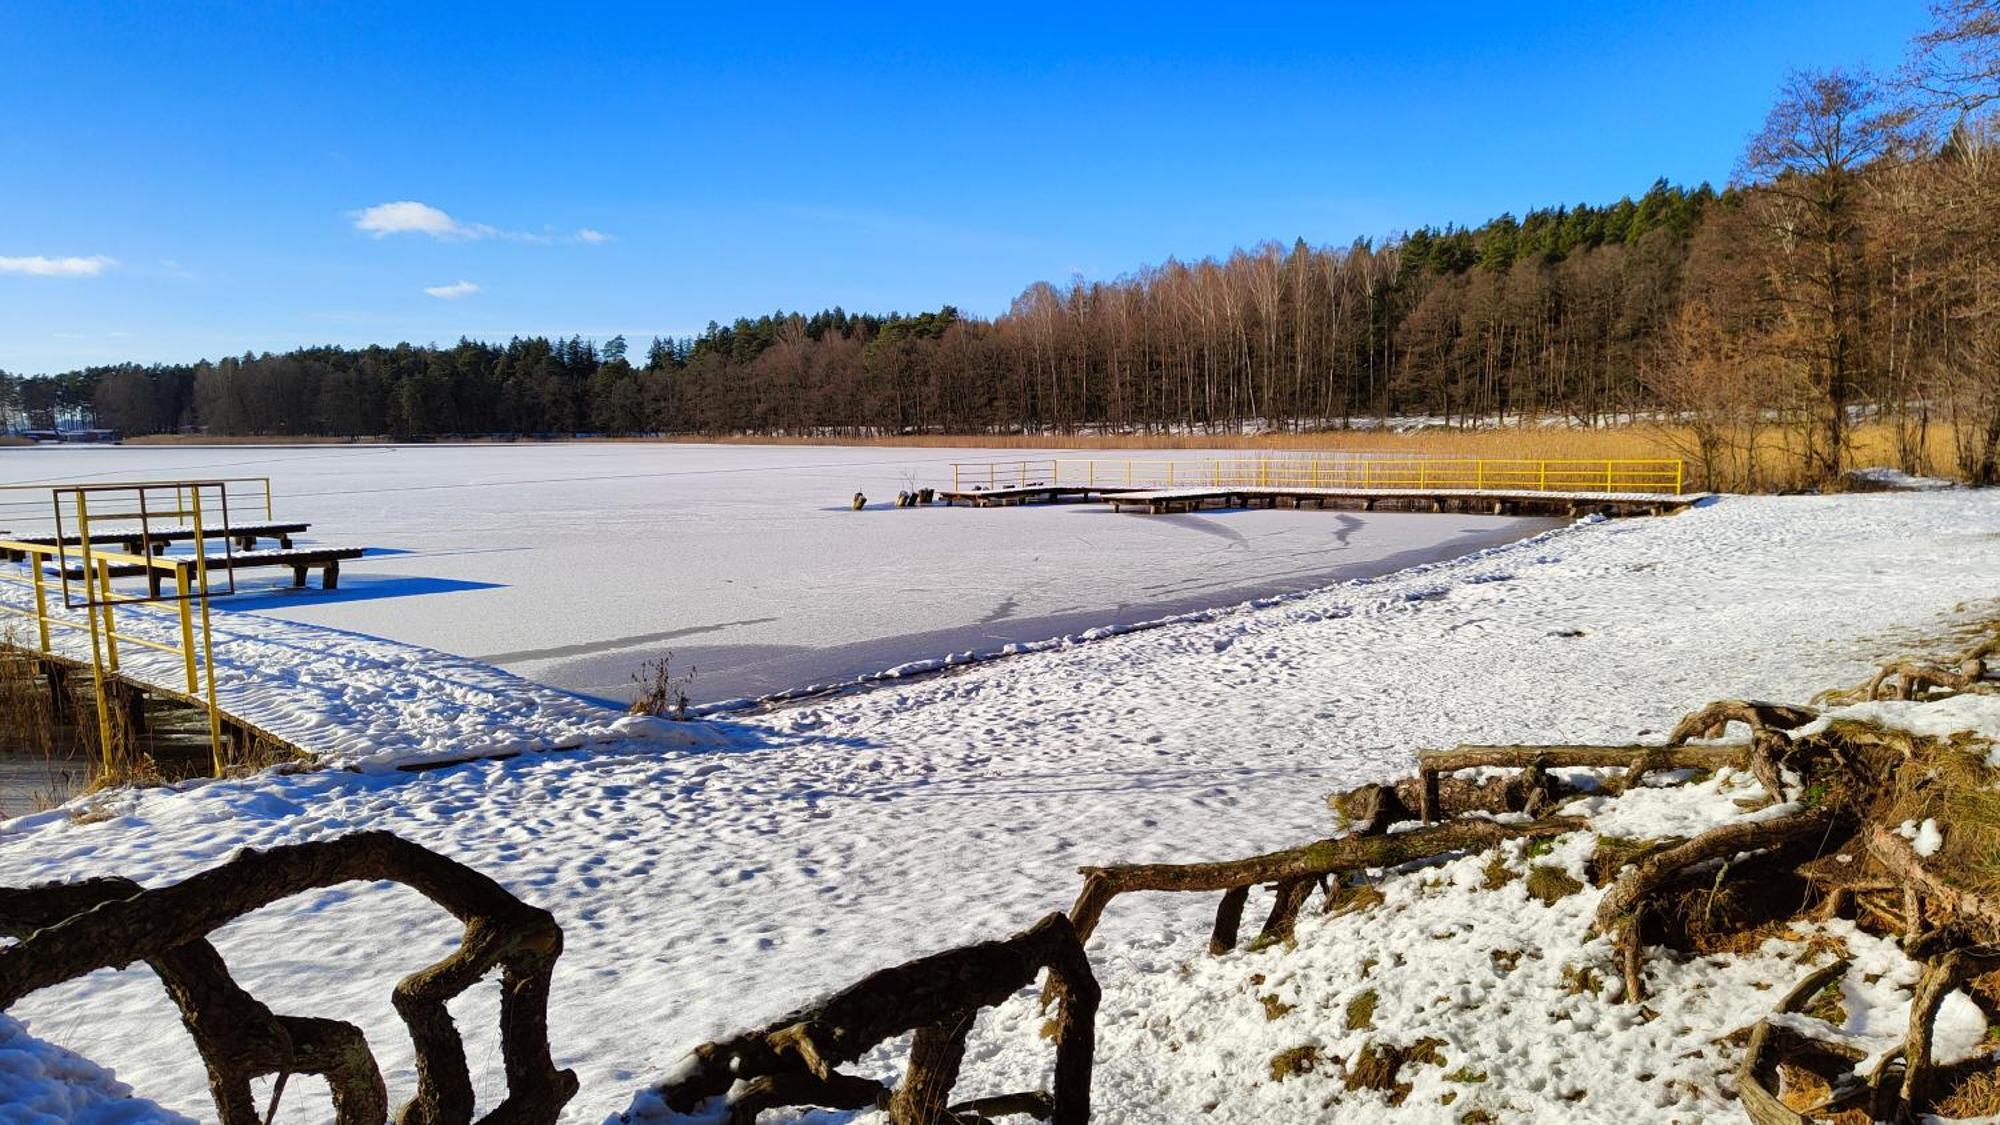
(1847, 273)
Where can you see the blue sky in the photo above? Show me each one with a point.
(192, 180)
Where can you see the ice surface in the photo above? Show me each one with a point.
(571, 564)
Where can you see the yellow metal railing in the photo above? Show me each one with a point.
(150, 499)
(72, 576)
(1346, 472)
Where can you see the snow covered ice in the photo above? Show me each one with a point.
(573, 563)
(707, 887)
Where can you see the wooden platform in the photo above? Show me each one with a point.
(1493, 501)
(1030, 494)
(244, 535)
(326, 560)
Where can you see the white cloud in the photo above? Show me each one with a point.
(453, 291)
(408, 216)
(39, 266)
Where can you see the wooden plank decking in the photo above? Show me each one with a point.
(1496, 501)
(1029, 494)
(244, 535)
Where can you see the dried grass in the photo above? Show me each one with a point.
(1948, 780)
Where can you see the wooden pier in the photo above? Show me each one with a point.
(1010, 494)
(1365, 481)
(1499, 502)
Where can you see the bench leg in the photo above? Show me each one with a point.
(285, 541)
(298, 578)
(330, 577)
(152, 583)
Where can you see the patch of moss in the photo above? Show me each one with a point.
(1353, 900)
(1425, 1052)
(1298, 1060)
(1466, 1075)
(1829, 1004)
(1505, 960)
(1541, 847)
(1550, 884)
(1579, 980)
(1375, 1067)
(1275, 1008)
(1498, 873)
(1613, 853)
(1361, 1011)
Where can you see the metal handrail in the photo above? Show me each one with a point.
(91, 570)
(1347, 472)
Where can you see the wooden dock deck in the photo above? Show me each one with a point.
(1009, 494)
(1495, 501)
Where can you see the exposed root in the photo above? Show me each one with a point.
(73, 929)
(1309, 864)
(1755, 1073)
(794, 1061)
(1713, 720)
(1620, 911)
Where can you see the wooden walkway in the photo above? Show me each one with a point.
(1495, 501)
(1030, 494)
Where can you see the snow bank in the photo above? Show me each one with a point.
(43, 1084)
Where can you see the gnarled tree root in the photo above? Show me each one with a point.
(238, 1037)
(1435, 801)
(1713, 720)
(1621, 910)
(793, 1061)
(1755, 1073)
(1294, 866)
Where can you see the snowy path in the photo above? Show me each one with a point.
(705, 890)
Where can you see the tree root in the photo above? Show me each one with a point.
(1436, 799)
(1941, 976)
(1293, 865)
(793, 1061)
(1964, 909)
(1913, 680)
(1620, 912)
(238, 1038)
(1755, 1073)
(1713, 720)
(111, 923)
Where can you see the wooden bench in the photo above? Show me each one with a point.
(244, 535)
(326, 560)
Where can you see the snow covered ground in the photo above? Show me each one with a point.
(710, 888)
(572, 564)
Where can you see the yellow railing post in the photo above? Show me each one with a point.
(1680, 468)
(1544, 466)
(41, 597)
(1479, 475)
(110, 618)
(1607, 476)
(207, 638)
(187, 626)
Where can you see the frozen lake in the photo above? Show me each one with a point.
(572, 564)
